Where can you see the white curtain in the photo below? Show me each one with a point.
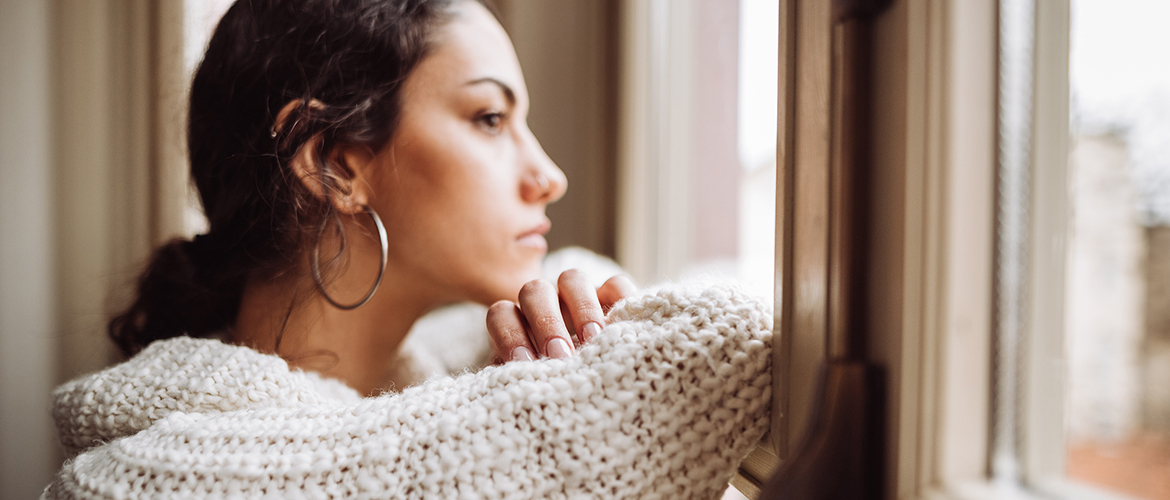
(93, 177)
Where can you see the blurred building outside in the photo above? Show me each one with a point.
(1118, 321)
(1118, 260)
(1118, 298)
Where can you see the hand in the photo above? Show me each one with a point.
(544, 321)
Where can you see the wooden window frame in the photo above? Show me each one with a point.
(929, 285)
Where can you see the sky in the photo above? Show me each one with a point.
(1120, 82)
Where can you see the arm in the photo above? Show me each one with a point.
(663, 403)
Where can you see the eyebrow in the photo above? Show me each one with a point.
(508, 93)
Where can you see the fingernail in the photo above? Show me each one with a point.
(558, 348)
(592, 329)
(522, 354)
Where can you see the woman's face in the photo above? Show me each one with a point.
(463, 184)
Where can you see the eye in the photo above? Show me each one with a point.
(492, 121)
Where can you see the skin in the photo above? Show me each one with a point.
(462, 189)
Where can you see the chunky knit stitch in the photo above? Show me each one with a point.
(662, 404)
(454, 339)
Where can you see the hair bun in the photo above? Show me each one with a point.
(178, 294)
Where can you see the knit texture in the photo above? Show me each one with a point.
(664, 403)
(454, 339)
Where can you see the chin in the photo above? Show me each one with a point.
(509, 287)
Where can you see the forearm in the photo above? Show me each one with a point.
(664, 402)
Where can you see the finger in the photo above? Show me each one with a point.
(581, 301)
(568, 318)
(508, 334)
(542, 311)
(615, 289)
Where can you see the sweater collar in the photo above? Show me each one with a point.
(181, 375)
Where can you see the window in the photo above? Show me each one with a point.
(1024, 354)
(1117, 331)
(965, 299)
(699, 139)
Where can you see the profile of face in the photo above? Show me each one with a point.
(463, 184)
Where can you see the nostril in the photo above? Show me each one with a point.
(560, 185)
(547, 183)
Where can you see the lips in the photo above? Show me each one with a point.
(534, 238)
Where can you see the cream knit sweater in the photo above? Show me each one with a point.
(662, 404)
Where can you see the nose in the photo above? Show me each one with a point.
(541, 180)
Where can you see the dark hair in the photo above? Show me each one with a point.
(352, 56)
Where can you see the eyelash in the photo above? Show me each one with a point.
(492, 121)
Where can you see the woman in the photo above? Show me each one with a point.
(361, 163)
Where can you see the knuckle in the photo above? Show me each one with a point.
(546, 323)
(536, 287)
(587, 310)
(621, 282)
(571, 276)
(500, 307)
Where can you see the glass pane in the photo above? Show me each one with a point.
(1118, 297)
(758, 72)
(734, 175)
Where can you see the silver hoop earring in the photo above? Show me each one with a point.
(315, 263)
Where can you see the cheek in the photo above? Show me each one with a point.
(455, 187)
(454, 206)
(427, 172)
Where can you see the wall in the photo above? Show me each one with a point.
(567, 50)
(90, 153)
(27, 308)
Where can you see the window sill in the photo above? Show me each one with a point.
(1047, 490)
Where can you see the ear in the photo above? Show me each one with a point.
(348, 171)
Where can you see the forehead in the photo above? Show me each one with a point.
(471, 46)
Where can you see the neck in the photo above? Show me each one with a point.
(357, 346)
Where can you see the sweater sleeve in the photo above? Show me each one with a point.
(454, 339)
(662, 404)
